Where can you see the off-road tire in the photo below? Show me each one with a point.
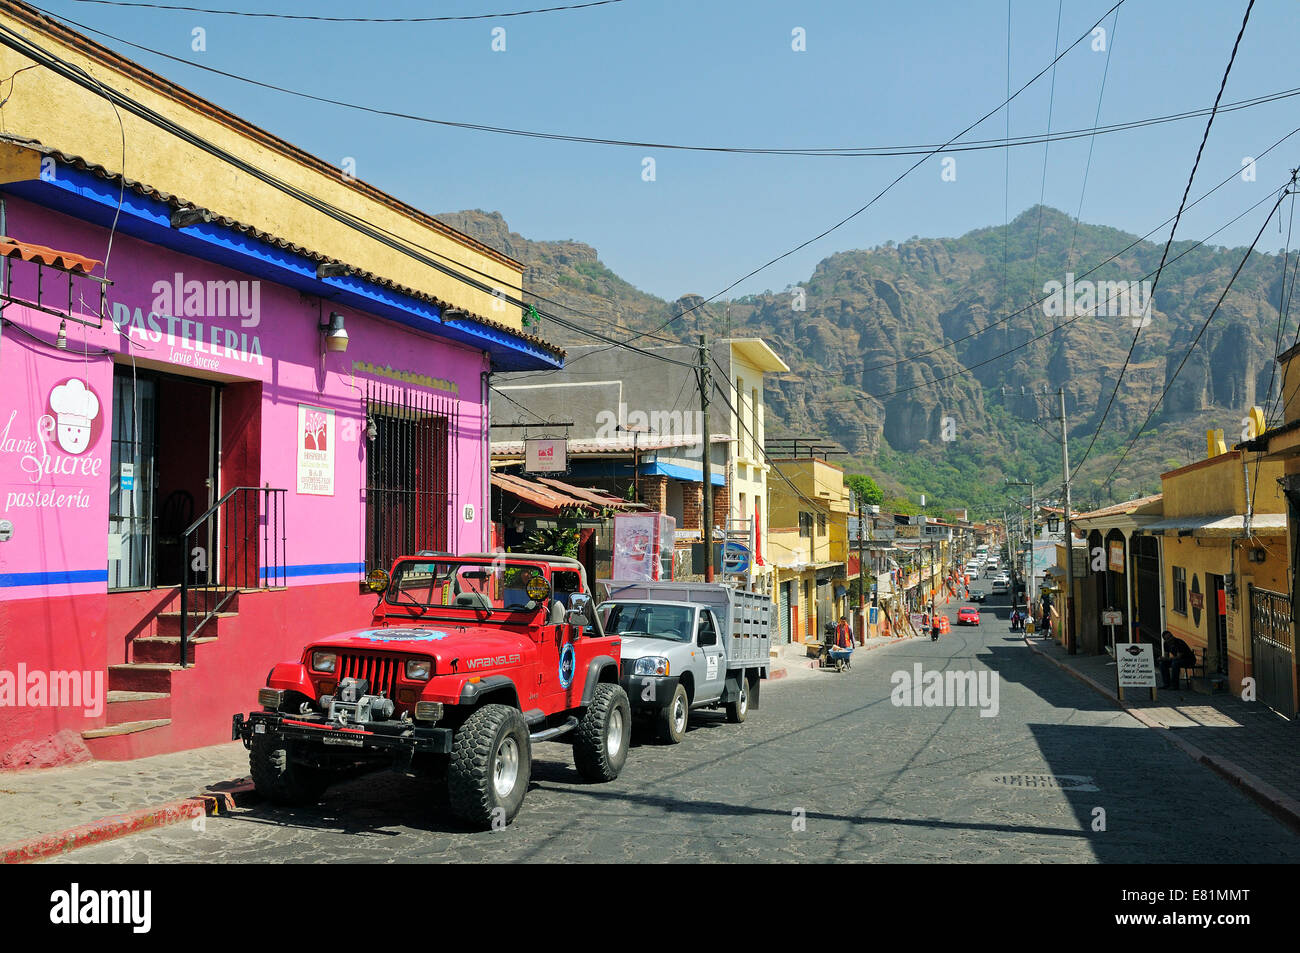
(667, 726)
(278, 779)
(738, 710)
(472, 790)
(606, 723)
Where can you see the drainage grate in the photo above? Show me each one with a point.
(1060, 782)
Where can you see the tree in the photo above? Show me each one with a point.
(865, 487)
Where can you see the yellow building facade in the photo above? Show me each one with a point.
(51, 103)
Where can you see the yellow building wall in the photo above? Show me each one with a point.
(1212, 556)
(1216, 487)
(64, 116)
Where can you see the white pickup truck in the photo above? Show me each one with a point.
(689, 646)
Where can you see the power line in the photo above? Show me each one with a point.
(305, 16)
(1095, 268)
(399, 243)
(1049, 331)
(1232, 58)
(1196, 340)
(887, 151)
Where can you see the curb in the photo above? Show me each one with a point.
(208, 804)
(1282, 806)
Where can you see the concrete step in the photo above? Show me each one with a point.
(165, 648)
(124, 707)
(141, 676)
(169, 624)
(126, 728)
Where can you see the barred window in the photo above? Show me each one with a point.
(410, 473)
(821, 524)
(805, 524)
(1180, 590)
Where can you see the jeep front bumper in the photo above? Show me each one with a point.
(649, 692)
(398, 738)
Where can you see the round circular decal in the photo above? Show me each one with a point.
(568, 662)
(538, 588)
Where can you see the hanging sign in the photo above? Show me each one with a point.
(546, 456)
(315, 451)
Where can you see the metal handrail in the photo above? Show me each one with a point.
(267, 555)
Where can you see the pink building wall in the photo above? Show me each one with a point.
(53, 577)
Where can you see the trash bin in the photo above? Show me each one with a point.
(1029, 626)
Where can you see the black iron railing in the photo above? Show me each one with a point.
(239, 543)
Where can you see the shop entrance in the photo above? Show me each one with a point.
(163, 473)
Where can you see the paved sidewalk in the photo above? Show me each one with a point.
(1246, 742)
(101, 799)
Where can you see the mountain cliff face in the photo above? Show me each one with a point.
(913, 356)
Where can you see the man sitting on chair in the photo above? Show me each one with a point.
(1175, 655)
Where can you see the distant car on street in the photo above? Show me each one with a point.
(968, 615)
(977, 595)
(1000, 586)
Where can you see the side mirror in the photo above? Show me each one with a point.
(579, 613)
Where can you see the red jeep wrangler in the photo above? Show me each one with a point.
(467, 661)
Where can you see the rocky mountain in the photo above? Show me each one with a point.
(913, 356)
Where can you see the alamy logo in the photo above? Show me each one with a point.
(1105, 299)
(954, 689)
(209, 299)
(655, 423)
(76, 906)
(41, 689)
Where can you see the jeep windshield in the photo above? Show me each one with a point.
(458, 584)
(647, 620)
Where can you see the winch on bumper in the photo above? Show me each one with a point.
(352, 721)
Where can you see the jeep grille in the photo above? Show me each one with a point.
(380, 671)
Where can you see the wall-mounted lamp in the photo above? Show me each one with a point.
(336, 336)
(1053, 524)
(61, 342)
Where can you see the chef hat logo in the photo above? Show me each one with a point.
(75, 407)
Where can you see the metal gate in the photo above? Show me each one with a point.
(783, 614)
(1272, 648)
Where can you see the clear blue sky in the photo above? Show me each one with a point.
(723, 72)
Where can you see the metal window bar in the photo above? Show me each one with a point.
(410, 472)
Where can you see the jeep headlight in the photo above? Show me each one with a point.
(419, 668)
(651, 665)
(324, 661)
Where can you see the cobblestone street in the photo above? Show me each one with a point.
(828, 769)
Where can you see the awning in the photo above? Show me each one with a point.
(550, 500)
(1262, 524)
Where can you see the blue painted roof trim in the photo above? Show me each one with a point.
(89, 197)
(678, 472)
(623, 468)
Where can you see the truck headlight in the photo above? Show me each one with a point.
(419, 668)
(324, 661)
(651, 665)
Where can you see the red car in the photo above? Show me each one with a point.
(968, 615)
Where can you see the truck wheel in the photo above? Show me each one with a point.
(278, 779)
(673, 718)
(739, 709)
(490, 767)
(600, 748)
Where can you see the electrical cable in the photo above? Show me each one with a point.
(1223, 83)
(398, 243)
(1092, 140)
(1049, 331)
(305, 16)
(1196, 340)
(840, 151)
(1232, 176)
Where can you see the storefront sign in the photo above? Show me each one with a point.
(315, 451)
(1116, 556)
(546, 456)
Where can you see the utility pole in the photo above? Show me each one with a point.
(1067, 634)
(706, 460)
(862, 573)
